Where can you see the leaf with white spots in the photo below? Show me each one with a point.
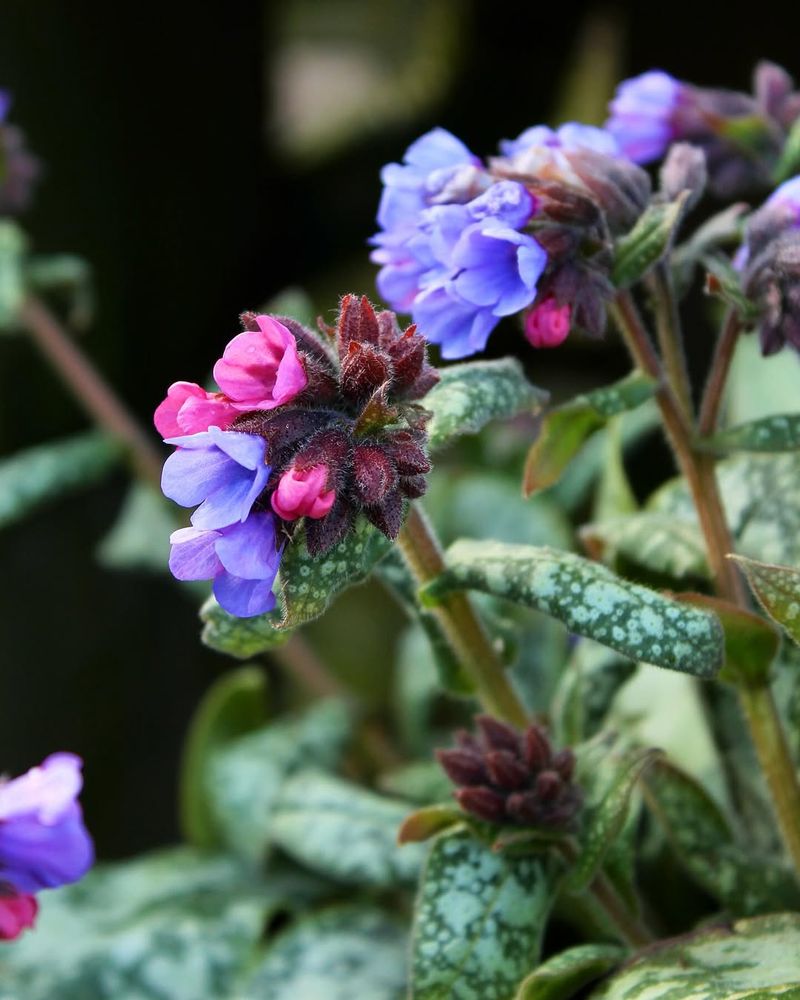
(561, 976)
(780, 432)
(705, 844)
(241, 638)
(753, 960)
(660, 543)
(479, 921)
(649, 240)
(590, 600)
(341, 953)
(343, 831)
(469, 396)
(778, 591)
(565, 429)
(308, 584)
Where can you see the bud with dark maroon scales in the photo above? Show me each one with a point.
(513, 778)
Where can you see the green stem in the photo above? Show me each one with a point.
(89, 388)
(460, 623)
(670, 339)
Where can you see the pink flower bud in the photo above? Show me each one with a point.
(17, 911)
(547, 325)
(303, 493)
(261, 369)
(189, 409)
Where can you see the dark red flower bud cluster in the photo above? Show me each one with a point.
(508, 777)
(359, 416)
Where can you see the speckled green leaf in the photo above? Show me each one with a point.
(590, 600)
(342, 953)
(660, 543)
(37, 475)
(13, 248)
(780, 432)
(705, 845)
(586, 689)
(472, 394)
(245, 776)
(778, 591)
(647, 242)
(308, 585)
(753, 960)
(139, 538)
(177, 925)
(241, 637)
(479, 921)
(561, 976)
(234, 705)
(566, 429)
(606, 817)
(343, 831)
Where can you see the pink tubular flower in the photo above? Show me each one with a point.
(303, 493)
(261, 369)
(189, 409)
(547, 325)
(17, 912)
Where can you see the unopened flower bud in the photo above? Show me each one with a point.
(684, 170)
(483, 803)
(548, 785)
(548, 323)
(497, 735)
(505, 770)
(463, 767)
(303, 493)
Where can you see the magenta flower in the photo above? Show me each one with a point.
(190, 409)
(261, 369)
(548, 324)
(17, 912)
(303, 493)
(242, 559)
(43, 841)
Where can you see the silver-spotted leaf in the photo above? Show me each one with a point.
(470, 395)
(647, 242)
(37, 475)
(345, 832)
(778, 591)
(561, 976)
(241, 637)
(341, 953)
(779, 432)
(753, 960)
(663, 544)
(590, 600)
(478, 922)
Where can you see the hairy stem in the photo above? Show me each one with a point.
(670, 339)
(460, 623)
(89, 387)
(718, 374)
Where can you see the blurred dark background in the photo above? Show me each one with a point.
(203, 157)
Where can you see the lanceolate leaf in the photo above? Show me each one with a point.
(778, 590)
(660, 543)
(753, 960)
(308, 585)
(343, 831)
(647, 242)
(13, 249)
(31, 478)
(775, 433)
(590, 600)
(705, 845)
(564, 430)
(241, 637)
(478, 922)
(341, 953)
(472, 394)
(561, 976)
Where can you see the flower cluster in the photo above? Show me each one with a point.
(304, 426)
(770, 263)
(43, 841)
(742, 135)
(463, 243)
(18, 168)
(508, 777)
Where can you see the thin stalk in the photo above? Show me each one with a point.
(89, 387)
(670, 339)
(776, 763)
(460, 623)
(718, 374)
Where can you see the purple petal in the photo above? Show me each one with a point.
(231, 502)
(36, 856)
(247, 550)
(243, 598)
(508, 202)
(189, 475)
(437, 148)
(5, 104)
(245, 449)
(45, 792)
(193, 556)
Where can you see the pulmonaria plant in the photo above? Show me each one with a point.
(43, 840)
(308, 428)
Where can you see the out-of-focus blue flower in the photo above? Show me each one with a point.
(642, 115)
(5, 104)
(222, 471)
(43, 840)
(540, 140)
(242, 559)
